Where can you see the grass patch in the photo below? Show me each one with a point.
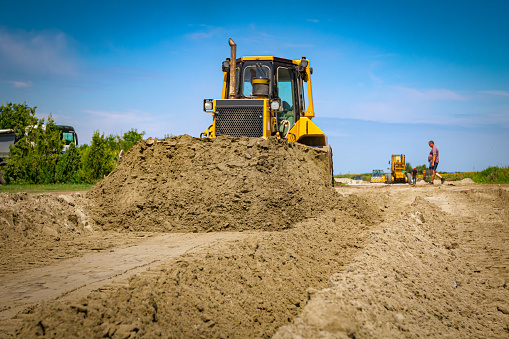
(363, 176)
(48, 188)
(458, 175)
(492, 175)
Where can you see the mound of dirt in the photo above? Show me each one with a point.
(185, 184)
(466, 181)
(33, 226)
(24, 217)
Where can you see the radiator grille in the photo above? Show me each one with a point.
(239, 121)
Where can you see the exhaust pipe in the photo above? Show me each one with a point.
(233, 67)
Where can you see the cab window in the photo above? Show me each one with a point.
(286, 92)
(67, 137)
(253, 72)
(304, 94)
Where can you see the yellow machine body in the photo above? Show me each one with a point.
(282, 108)
(398, 169)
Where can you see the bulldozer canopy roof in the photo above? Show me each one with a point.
(271, 58)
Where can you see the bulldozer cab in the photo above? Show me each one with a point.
(274, 78)
(265, 96)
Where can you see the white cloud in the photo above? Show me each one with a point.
(494, 92)
(18, 84)
(36, 53)
(383, 111)
(119, 122)
(206, 32)
(126, 117)
(432, 94)
(313, 20)
(437, 107)
(371, 73)
(21, 84)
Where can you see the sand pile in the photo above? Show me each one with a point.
(35, 228)
(185, 184)
(466, 181)
(24, 217)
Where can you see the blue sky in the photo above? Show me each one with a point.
(388, 75)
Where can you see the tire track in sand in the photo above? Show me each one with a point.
(77, 277)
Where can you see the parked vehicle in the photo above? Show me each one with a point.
(398, 170)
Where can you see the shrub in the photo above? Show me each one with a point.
(17, 117)
(493, 175)
(68, 169)
(130, 139)
(97, 158)
(33, 158)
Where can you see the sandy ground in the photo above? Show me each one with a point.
(433, 262)
(436, 267)
(126, 260)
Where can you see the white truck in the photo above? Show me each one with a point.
(7, 138)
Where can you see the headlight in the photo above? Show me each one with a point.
(274, 105)
(226, 65)
(207, 105)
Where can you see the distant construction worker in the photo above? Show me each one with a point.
(414, 176)
(433, 162)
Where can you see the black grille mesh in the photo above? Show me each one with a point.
(239, 121)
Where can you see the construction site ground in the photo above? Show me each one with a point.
(378, 261)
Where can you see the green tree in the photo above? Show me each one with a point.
(130, 139)
(34, 157)
(68, 169)
(113, 142)
(17, 117)
(97, 160)
(421, 168)
(408, 168)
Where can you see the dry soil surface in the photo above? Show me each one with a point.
(363, 261)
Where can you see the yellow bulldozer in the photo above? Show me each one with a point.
(266, 96)
(398, 170)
